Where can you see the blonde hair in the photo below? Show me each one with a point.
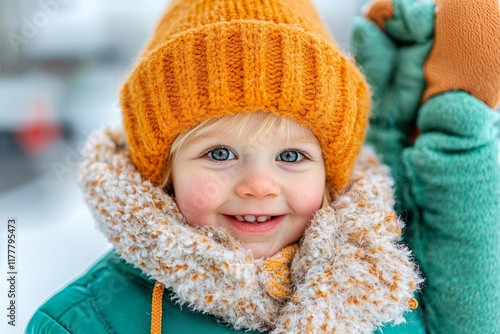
(269, 123)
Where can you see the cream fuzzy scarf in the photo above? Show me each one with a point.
(348, 275)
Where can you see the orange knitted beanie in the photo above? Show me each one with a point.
(210, 58)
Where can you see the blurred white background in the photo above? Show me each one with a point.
(61, 66)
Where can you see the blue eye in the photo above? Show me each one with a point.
(221, 154)
(290, 156)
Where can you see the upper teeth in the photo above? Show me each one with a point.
(252, 219)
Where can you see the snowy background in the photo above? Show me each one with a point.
(61, 65)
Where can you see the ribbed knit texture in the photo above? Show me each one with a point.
(277, 272)
(209, 58)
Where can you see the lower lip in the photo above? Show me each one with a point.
(259, 228)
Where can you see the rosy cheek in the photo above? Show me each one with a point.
(198, 197)
(309, 198)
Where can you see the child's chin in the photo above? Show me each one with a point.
(262, 251)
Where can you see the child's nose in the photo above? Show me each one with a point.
(258, 184)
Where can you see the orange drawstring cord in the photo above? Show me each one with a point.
(156, 308)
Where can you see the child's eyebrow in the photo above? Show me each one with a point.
(196, 140)
(307, 140)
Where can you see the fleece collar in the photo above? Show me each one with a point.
(348, 274)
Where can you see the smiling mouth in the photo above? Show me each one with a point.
(253, 226)
(253, 219)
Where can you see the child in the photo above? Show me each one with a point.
(435, 73)
(240, 184)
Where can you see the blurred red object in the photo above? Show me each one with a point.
(40, 131)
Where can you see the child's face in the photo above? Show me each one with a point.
(217, 178)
